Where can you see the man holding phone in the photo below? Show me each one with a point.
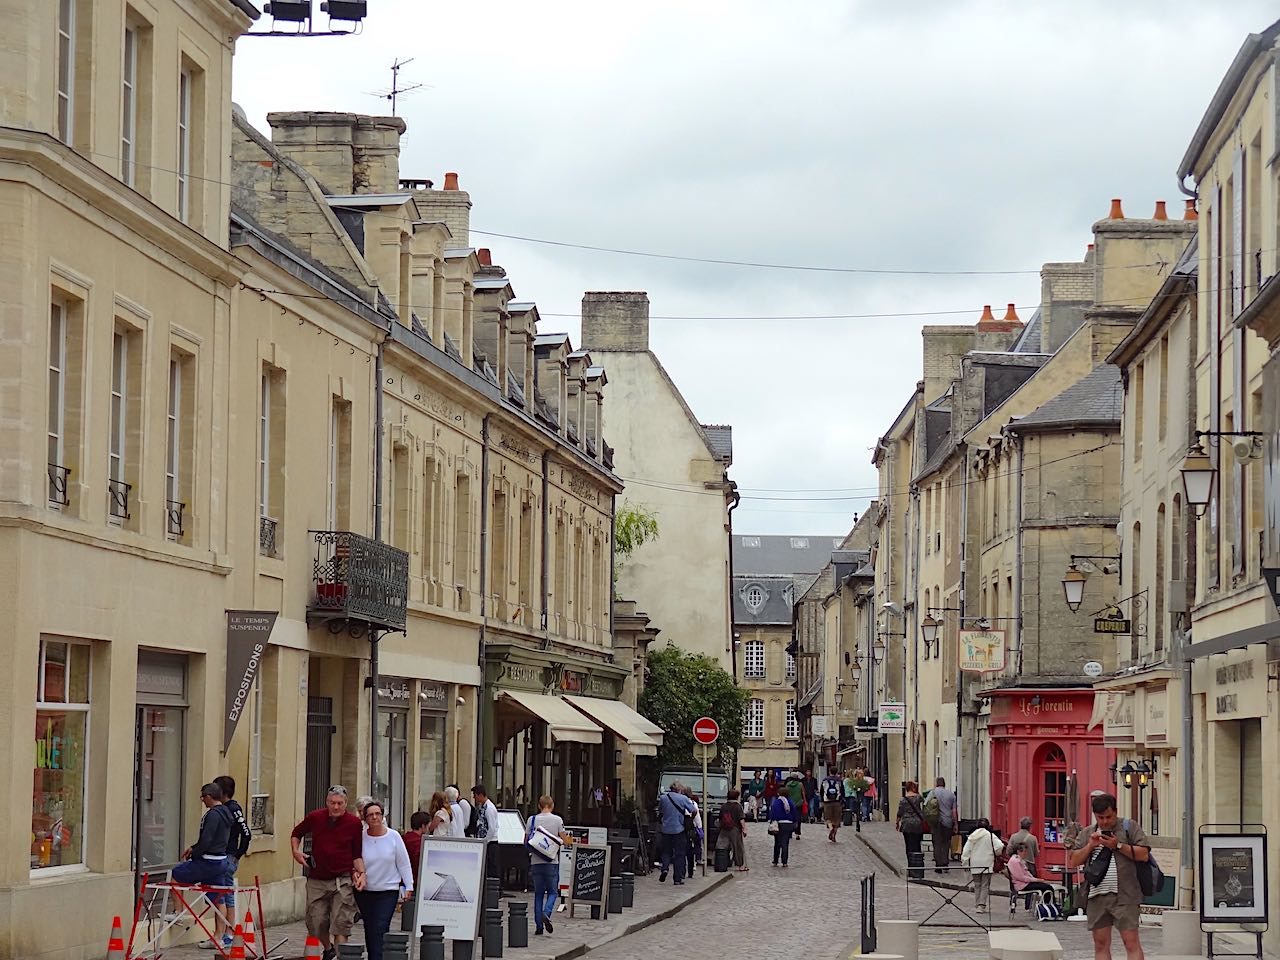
(1112, 850)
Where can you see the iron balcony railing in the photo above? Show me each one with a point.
(267, 536)
(58, 481)
(118, 499)
(359, 579)
(173, 513)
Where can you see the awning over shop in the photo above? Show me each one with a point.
(563, 722)
(651, 729)
(621, 719)
(811, 695)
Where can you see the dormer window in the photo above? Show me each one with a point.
(754, 597)
(751, 541)
(799, 543)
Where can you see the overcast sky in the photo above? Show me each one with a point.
(906, 136)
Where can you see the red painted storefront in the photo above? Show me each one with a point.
(1038, 739)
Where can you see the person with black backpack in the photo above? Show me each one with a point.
(1117, 864)
(832, 794)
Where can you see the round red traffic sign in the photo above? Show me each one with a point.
(706, 730)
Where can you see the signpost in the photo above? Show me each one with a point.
(706, 732)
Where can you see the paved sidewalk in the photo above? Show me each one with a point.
(574, 937)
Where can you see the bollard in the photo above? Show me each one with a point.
(518, 923)
(351, 951)
(493, 933)
(628, 890)
(432, 942)
(899, 936)
(615, 895)
(492, 892)
(464, 950)
(395, 945)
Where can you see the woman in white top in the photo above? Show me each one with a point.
(441, 816)
(458, 817)
(388, 877)
(979, 855)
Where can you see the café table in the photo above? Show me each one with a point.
(1068, 875)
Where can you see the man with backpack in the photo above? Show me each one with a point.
(732, 830)
(940, 812)
(675, 813)
(832, 792)
(1117, 862)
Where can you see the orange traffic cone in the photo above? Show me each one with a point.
(115, 946)
(237, 945)
(250, 935)
(314, 949)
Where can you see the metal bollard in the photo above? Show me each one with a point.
(615, 895)
(464, 950)
(351, 951)
(493, 933)
(432, 942)
(492, 892)
(518, 923)
(628, 890)
(395, 945)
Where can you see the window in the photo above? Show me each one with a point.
(173, 454)
(58, 473)
(753, 659)
(754, 598)
(1164, 385)
(399, 514)
(61, 738)
(264, 446)
(462, 546)
(184, 144)
(751, 541)
(791, 666)
(129, 106)
(1053, 765)
(799, 543)
(66, 69)
(117, 488)
(498, 570)
(793, 725)
(271, 447)
(755, 720)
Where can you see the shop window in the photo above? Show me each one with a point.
(61, 735)
(1053, 785)
(431, 754)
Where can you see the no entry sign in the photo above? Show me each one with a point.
(706, 730)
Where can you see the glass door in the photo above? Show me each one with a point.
(157, 787)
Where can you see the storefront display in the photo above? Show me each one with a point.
(433, 716)
(58, 788)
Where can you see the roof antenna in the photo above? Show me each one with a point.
(397, 90)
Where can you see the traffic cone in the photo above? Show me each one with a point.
(115, 946)
(250, 935)
(237, 945)
(314, 950)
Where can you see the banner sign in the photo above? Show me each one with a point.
(247, 634)
(981, 651)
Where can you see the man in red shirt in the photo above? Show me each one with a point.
(418, 824)
(337, 868)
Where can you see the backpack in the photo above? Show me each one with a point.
(726, 819)
(1150, 876)
(830, 790)
(932, 811)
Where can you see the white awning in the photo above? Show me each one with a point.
(563, 722)
(621, 719)
(651, 729)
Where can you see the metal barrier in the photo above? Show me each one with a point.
(948, 896)
(868, 913)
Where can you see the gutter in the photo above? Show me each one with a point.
(546, 519)
(733, 654)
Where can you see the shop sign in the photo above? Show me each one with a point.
(393, 692)
(1112, 625)
(1157, 720)
(982, 651)
(1238, 684)
(1117, 725)
(893, 717)
(571, 682)
(521, 675)
(818, 725)
(1045, 705)
(247, 634)
(600, 687)
(433, 695)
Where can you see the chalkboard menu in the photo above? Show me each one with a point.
(590, 877)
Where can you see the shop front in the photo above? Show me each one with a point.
(160, 752)
(1044, 754)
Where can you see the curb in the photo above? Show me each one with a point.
(584, 948)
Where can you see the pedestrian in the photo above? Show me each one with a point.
(1027, 839)
(237, 847)
(362, 801)
(754, 794)
(795, 792)
(336, 868)
(441, 815)
(388, 878)
(733, 830)
(485, 815)
(674, 812)
(979, 855)
(811, 796)
(418, 823)
(782, 818)
(205, 861)
(1112, 852)
(944, 827)
(859, 786)
(695, 833)
(1022, 880)
(770, 787)
(545, 874)
(852, 800)
(459, 809)
(870, 797)
(832, 790)
(910, 823)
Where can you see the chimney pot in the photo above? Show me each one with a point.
(1090, 248)
(1116, 212)
(1160, 213)
(1190, 212)
(987, 315)
(451, 182)
(1011, 315)
(485, 257)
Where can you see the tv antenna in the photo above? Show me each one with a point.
(397, 90)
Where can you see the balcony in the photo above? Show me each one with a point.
(173, 516)
(361, 584)
(118, 499)
(267, 536)
(58, 478)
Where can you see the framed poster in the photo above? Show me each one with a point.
(450, 886)
(1233, 878)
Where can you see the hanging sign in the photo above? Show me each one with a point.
(247, 635)
(1112, 625)
(981, 651)
(893, 717)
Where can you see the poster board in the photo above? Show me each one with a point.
(510, 828)
(596, 836)
(590, 884)
(1233, 879)
(450, 886)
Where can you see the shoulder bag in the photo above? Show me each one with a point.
(543, 843)
(1150, 876)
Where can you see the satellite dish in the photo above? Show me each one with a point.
(1093, 669)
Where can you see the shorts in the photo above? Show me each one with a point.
(331, 907)
(228, 899)
(833, 812)
(1104, 910)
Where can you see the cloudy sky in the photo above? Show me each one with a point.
(917, 137)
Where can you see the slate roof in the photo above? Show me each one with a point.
(1029, 340)
(720, 437)
(779, 595)
(1097, 399)
(781, 556)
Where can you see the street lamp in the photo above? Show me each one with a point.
(856, 669)
(1197, 472)
(1073, 587)
(877, 650)
(929, 630)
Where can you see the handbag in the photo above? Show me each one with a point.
(773, 827)
(543, 843)
(999, 860)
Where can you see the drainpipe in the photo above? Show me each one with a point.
(613, 557)
(915, 632)
(964, 544)
(733, 654)
(375, 635)
(1186, 765)
(1017, 560)
(481, 753)
(546, 519)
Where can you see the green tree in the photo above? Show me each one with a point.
(679, 688)
(634, 525)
